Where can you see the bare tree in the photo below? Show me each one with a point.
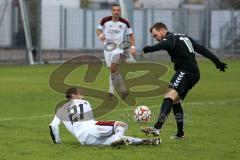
(222, 4)
(231, 4)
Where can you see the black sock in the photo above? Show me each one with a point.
(178, 114)
(165, 110)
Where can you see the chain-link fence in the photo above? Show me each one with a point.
(59, 33)
(230, 35)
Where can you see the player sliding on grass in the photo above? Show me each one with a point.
(181, 49)
(111, 31)
(78, 118)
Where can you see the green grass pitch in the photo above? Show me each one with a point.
(212, 110)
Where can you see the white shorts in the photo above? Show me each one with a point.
(102, 133)
(114, 58)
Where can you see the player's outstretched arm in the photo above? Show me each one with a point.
(208, 54)
(54, 130)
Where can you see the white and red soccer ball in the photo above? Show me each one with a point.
(142, 114)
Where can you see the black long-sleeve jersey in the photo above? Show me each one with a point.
(181, 49)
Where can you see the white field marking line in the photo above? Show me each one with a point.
(218, 102)
(25, 118)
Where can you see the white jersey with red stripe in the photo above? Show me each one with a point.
(77, 117)
(114, 32)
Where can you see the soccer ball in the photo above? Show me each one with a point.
(142, 114)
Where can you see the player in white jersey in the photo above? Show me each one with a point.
(112, 31)
(77, 116)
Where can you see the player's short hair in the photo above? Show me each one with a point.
(158, 26)
(115, 5)
(71, 91)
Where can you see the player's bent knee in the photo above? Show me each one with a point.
(122, 124)
(177, 101)
(113, 68)
(171, 93)
(169, 96)
(113, 71)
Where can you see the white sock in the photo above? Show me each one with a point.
(122, 86)
(133, 140)
(111, 86)
(117, 82)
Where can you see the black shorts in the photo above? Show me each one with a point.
(182, 82)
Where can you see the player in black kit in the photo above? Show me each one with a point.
(181, 49)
